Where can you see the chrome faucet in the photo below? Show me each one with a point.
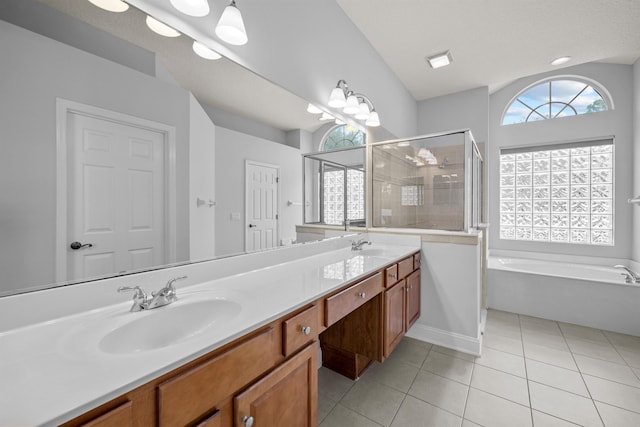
(630, 276)
(164, 296)
(358, 246)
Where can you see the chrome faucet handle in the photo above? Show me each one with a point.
(139, 296)
(630, 275)
(169, 290)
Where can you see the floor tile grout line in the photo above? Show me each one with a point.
(526, 375)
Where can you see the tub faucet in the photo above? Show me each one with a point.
(630, 275)
(358, 246)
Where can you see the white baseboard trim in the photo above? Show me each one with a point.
(452, 340)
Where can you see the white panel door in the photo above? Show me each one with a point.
(262, 206)
(115, 197)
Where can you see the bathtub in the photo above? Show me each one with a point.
(581, 290)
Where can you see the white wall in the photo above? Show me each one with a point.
(232, 150)
(202, 145)
(462, 110)
(636, 161)
(35, 71)
(618, 80)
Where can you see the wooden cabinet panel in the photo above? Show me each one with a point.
(286, 397)
(343, 303)
(121, 416)
(405, 267)
(299, 330)
(391, 275)
(213, 420)
(416, 261)
(187, 397)
(413, 298)
(394, 326)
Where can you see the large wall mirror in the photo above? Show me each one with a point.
(88, 94)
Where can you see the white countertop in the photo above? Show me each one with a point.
(55, 370)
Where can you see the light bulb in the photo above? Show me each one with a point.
(230, 27)
(161, 28)
(192, 7)
(204, 51)
(352, 106)
(363, 111)
(337, 100)
(111, 5)
(373, 120)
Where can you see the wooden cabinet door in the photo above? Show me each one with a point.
(120, 416)
(394, 327)
(288, 396)
(413, 298)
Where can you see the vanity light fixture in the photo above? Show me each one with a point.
(440, 60)
(313, 109)
(192, 7)
(561, 60)
(353, 103)
(230, 27)
(161, 28)
(326, 116)
(204, 52)
(340, 122)
(111, 5)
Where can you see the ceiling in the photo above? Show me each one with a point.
(493, 42)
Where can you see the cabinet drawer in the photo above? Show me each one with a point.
(188, 396)
(299, 330)
(120, 416)
(390, 275)
(351, 298)
(405, 267)
(416, 261)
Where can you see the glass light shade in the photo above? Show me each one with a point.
(337, 100)
(339, 122)
(111, 5)
(326, 116)
(373, 120)
(561, 60)
(363, 112)
(161, 28)
(313, 109)
(230, 27)
(192, 7)
(204, 52)
(352, 106)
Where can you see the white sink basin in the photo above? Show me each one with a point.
(373, 252)
(165, 326)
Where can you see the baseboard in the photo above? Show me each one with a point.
(452, 340)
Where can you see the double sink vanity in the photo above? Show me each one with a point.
(239, 345)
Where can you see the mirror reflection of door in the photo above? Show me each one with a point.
(115, 195)
(262, 206)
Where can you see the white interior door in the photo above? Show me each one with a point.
(262, 206)
(116, 186)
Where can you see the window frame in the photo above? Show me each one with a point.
(599, 88)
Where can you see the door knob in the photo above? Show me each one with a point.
(252, 225)
(77, 245)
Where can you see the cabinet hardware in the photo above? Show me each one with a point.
(306, 330)
(394, 275)
(363, 295)
(248, 421)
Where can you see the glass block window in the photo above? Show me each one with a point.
(412, 195)
(559, 193)
(334, 197)
(555, 98)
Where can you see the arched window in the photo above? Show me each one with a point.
(557, 97)
(343, 136)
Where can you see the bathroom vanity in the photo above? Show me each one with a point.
(248, 363)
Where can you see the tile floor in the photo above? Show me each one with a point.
(533, 372)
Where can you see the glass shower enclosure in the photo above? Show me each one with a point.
(429, 182)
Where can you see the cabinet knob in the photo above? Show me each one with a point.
(363, 295)
(248, 421)
(394, 275)
(306, 330)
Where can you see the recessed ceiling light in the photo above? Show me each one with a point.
(205, 52)
(161, 28)
(313, 109)
(192, 7)
(111, 5)
(561, 60)
(440, 60)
